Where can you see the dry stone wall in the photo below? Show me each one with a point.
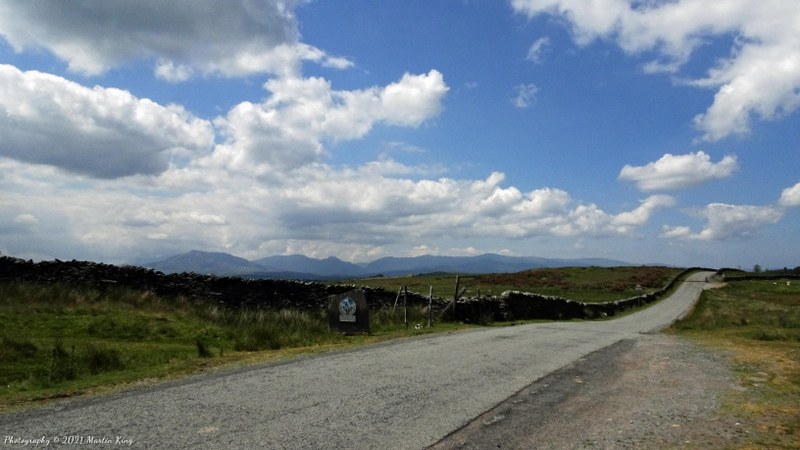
(514, 305)
(230, 291)
(794, 275)
(283, 294)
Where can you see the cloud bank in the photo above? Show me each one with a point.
(100, 132)
(725, 222)
(355, 213)
(183, 37)
(728, 222)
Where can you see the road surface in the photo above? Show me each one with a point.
(400, 395)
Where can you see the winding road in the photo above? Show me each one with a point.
(405, 394)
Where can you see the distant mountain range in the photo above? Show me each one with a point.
(305, 268)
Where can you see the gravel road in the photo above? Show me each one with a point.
(405, 394)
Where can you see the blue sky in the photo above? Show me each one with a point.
(644, 131)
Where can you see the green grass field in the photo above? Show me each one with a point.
(588, 284)
(58, 341)
(758, 324)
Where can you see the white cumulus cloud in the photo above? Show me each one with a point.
(728, 222)
(761, 77)
(672, 172)
(100, 132)
(642, 214)
(230, 38)
(790, 196)
(288, 130)
(552, 212)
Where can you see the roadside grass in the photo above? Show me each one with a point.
(588, 284)
(60, 341)
(758, 323)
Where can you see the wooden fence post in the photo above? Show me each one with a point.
(405, 305)
(430, 305)
(396, 299)
(455, 296)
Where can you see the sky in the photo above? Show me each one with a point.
(645, 131)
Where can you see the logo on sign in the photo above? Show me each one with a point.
(347, 310)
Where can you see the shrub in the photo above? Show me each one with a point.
(99, 360)
(769, 334)
(62, 365)
(202, 348)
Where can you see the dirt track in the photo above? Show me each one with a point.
(659, 391)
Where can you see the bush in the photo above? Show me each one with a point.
(99, 360)
(775, 334)
(202, 348)
(62, 365)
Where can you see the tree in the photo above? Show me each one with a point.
(757, 268)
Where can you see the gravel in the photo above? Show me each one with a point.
(657, 391)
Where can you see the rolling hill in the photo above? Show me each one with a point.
(303, 267)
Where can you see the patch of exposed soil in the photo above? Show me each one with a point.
(658, 391)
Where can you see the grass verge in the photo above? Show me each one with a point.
(60, 341)
(758, 324)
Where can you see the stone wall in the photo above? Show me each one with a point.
(767, 277)
(280, 294)
(230, 291)
(513, 305)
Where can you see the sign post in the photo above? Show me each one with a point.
(348, 313)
